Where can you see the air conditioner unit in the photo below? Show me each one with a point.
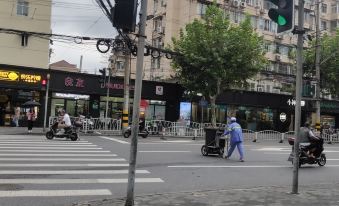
(279, 37)
(235, 3)
(262, 10)
(277, 57)
(163, 4)
(243, 4)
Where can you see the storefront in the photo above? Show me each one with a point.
(83, 94)
(330, 113)
(255, 111)
(17, 86)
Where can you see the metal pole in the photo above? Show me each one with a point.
(300, 32)
(80, 69)
(136, 105)
(317, 63)
(125, 114)
(46, 103)
(107, 95)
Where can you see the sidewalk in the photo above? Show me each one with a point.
(315, 195)
(20, 131)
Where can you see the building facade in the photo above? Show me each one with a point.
(23, 55)
(169, 16)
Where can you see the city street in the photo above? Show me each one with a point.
(38, 172)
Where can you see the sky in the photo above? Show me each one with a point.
(80, 18)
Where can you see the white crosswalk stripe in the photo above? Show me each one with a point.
(37, 163)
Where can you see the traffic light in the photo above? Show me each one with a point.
(283, 15)
(124, 15)
(102, 79)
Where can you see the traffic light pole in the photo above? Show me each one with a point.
(125, 112)
(107, 96)
(300, 31)
(317, 63)
(136, 105)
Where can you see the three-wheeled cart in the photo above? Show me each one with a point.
(211, 146)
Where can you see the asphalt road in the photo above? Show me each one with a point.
(38, 172)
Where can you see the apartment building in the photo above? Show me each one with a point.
(25, 50)
(24, 57)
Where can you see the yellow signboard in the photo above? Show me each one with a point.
(16, 76)
(9, 76)
(30, 78)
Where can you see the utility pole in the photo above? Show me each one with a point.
(107, 94)
(297, 119)
(46, 100)
(127, 65)
(317, 63)
(136, 105)
(80, 67)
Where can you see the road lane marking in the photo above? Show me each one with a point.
(42, 141)
(174, 141)
(54, 151)
(114, 139)
(237, 166)
(63, 159)
(229, 166)
(78, 181)
(277, 153)
(164, 151)
(54, 193)
(53, 148)
(59, 155)
(46, 143)
(62, 165)
(67, 172)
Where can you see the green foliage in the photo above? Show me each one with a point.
(215, 54)
(329, 67)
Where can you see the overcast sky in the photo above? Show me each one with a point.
(83, 18)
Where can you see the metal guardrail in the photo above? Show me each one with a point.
(98, 125)
(187, 129)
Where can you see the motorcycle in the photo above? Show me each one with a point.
(304, 158)
(70, 132)
(143, 131)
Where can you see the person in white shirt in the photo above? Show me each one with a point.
(64, 121)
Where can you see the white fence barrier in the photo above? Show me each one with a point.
(98, 125)
(187, 129)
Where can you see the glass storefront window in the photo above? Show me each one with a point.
(56, 105)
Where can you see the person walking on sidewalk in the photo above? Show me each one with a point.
(30, 119)
(235, 130)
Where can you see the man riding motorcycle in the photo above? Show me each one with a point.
(315, 143)
(64, 121)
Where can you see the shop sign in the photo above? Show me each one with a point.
(159, 90)
(72, 96)
(292, 102)
(30, 78)
(9, 76)
(74, 82)
(283, 117)
(116, 86)
(16, 76)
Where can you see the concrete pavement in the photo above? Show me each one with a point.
(324, 195)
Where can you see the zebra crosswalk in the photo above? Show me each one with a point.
(52, 168)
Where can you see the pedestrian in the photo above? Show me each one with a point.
(235, 130)
(30, 119)
(16, 116)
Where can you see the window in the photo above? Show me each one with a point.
(323, 8)
(156, 4)
(323, 26)
(22, 8)
(155, 63)
(201, 9)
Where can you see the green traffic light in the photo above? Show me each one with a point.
(281, 20)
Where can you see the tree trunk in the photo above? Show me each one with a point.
(213, 107)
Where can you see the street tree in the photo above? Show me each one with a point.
(329, 63)
(215, 55)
